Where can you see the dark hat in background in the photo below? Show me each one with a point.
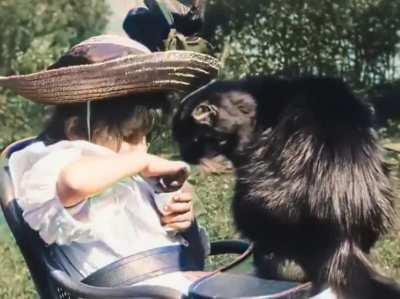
(151, 21)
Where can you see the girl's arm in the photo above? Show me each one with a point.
(93, 174)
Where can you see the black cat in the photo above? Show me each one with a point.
(312, 184)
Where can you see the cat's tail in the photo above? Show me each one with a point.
(352, 276)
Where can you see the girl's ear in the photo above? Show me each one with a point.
(71, 128)
(144, 143)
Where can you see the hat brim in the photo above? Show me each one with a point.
(160, 71)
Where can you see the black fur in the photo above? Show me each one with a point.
(312, 185)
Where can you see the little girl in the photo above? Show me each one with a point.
(84, 185)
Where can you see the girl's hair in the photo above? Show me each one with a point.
(111, 121)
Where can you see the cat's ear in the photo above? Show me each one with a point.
(205, 114)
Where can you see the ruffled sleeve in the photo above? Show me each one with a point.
(35, 172)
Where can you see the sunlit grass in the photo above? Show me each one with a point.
(15, 281)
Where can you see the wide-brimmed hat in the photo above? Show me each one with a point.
(108, 66)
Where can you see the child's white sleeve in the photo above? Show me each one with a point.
(36, 194)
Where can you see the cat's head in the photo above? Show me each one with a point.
(217, 119)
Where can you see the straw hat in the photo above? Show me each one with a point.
(110, 66)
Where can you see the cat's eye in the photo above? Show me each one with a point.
(204, 109)
(205, 114)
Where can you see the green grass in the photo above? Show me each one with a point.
(215, 192)
(15, 281)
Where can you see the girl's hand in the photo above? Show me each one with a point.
(159, 167)
(178, 213)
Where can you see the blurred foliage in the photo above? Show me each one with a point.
(18, 118)
(386, 100)
(354, 39)
(33, 35)
(386, 255)
(391, 132)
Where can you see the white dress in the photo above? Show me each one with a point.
(116, 223)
